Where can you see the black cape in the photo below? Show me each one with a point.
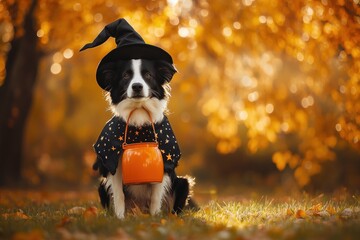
(108, 147)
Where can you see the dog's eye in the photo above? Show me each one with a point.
(126, 75)
(147, 75)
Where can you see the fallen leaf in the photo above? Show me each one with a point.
(21, 215)
(300, 214)
(44, 214)
(331, 210)
(346, 213)
(17, 215)
(90, 213)
(163, 221)
(316, 208)
(76, 210)
(64, 221)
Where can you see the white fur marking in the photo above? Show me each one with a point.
(137, 78)
(155, 106)
(158, 192)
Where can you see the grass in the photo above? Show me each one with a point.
(31, 216)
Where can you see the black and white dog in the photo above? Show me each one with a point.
(138, 84)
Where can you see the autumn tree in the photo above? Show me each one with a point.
(21, 66)
(23, 46)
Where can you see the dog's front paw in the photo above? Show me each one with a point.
(154, 209)
(119, 214)
(119, 210)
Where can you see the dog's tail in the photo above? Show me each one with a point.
(183, 195)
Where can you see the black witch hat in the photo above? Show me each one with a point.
(130, 45)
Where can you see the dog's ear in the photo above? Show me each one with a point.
(106, 75)
(165, 71)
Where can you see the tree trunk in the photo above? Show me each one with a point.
(16, 95)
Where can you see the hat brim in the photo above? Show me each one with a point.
(131, 51)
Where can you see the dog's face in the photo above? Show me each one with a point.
(138, 83)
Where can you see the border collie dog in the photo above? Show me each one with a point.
(136, 84)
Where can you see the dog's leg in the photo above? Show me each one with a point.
(158, 191)
(118, 193)
(156, 198)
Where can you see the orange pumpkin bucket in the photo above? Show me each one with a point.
(141, 162)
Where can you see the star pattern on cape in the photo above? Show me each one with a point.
(108, 146)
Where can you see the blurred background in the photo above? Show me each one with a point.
(267, 94)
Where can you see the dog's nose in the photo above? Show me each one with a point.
(137, 87)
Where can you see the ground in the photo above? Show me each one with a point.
(78, 215)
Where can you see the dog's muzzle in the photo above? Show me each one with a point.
(137, 90)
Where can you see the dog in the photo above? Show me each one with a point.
(136, 85)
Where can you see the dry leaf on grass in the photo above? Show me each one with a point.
(315, 209)
(300, 214)
(346, 213)
(76, 210)
(90, 213)
(64, 221)
(17, 215)
(331, 210)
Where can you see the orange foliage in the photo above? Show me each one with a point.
(260, 73)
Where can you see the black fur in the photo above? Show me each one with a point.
(99, 166)
(104, 195)
(181, 193)
(119, 74)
